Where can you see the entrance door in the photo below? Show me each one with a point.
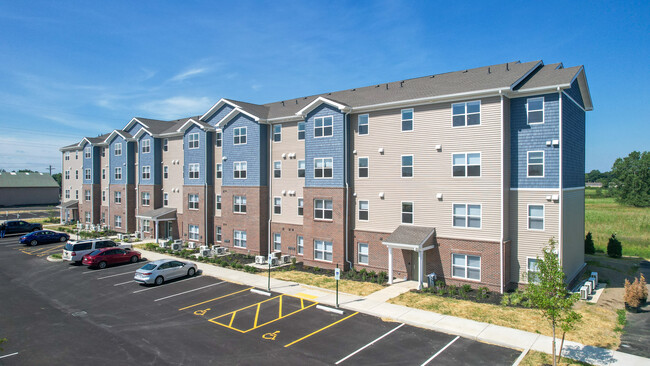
(414, 266)
(168, 230)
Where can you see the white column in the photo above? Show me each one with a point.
(390, 265)
(156, 222)
(420, 268)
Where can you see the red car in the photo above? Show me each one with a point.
(101, 258)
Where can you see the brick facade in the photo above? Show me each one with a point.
(254, 221)
(378, 254)
(289, 238)
(201, 217)
(93, 206)
(125, 209)
(329, 230)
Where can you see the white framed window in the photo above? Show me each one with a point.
(165, 144)
(87, 216)
(146, 225)
(87, 195)
(466, 215)
(146, 146)
(323, 126)
(103, 173)
(300, 244)
(301, 130)
(118, 221)
(407, 119)
(535, 164)
(466, 266)
(277, 205)
(363, 167)
(218, 202)
(103, 152)
(76, 174)
(363, 253)
(146, 172)
(88, 152)
(301, 206)
(118, 149)
(76, 194)
(323, 250)
(67, 194)
(466, 114)
(67, 174)
(217, 234)
(323, 209)
(323, 167)
(407, 166)
(277, 242)
(146, 198)
(103, 217)
(193, 201)
(363, 210)
(118, 197)
(76, 155)
(301, 168)
(193, 140)
(219, 171)
(103, 196)
(536, 217)
(239, 204)
(532, 271)
(193, 232)
(466, 165)
(362, 122)
(165, 172)
(165, 199)
(535, 110)
(239, 135)
(194, 171)
(87, 174)
(277, 169)
(277, 133)
(407, 212)
(218, 138)
(118, 173)
(239, 238)
(239, 169)
(67, 155)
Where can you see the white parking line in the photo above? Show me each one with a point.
(11, 354)
(439, 352)
(14, 245)
(151, 288)
(185, 292)
(368, 345)
(123, 283)
(115, 275)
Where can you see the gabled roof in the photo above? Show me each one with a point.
(191, 121)
(256, 111)
(558, 76)
(322, 100)
(155, 126)
(410, 237)
(22, 180)
(125, 135)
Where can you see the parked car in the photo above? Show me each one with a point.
(44, 237)
(101, 258)
(157, 272)
(19, 227)
(74, 251)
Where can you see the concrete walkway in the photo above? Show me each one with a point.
(376, 304)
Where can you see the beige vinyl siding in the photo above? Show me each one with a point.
(72, 184)
(289, 181)
(103, 162)
(506, 169)
(573, 228)
(529, 243)
(432, 125)
(175, 180)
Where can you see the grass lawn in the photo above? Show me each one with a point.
(327, 282)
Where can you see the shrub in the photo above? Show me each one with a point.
(589, 244)
(316, 269)
(482, 293)
(293, 260)
(467, 288)
(643, 288)
(632, 297)
(452, 290)
(505, 300)
(383, 276)
(614, 247)
(440, 291)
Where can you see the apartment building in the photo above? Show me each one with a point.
(466, 174)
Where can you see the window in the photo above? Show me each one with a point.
(466, 114)
(103, 152)
(146, 172)
(301, 206)
(218, 139)
(239, 170)
(118, 197)
(165, 172)
(76, 155)
(277, 205)
(87, 174)
(146, 225)
(363, 167)
(146, 146)
(277, 133)
(218, 202)
(217, 234)
(146, 198)
(87, 152)
(301, 130)
(363, 210)
(407, 212)
(323, 210)
(219, 171)
(76, 194)
(535, 217)
(240, 239)
(407, 119)
(362, 121)
(239, 204)
(466, 266)
(535, 164)
(301, 168)
(239, 135)
(103, 217)
(467, 215)
(87, 195)
(118, 173)
(194, 232)
(67, 155)
(193, 201)
(532, 271)
(67, 174)
(300, 243)
(323, 126)
(103, 196)
(194, 171)
(323, 250)
(165, 199)
(118, 149)
(67, 193)
(407, 166)
(466, 165)
(363, 253)
(323, 167)
(118, 221)
(277, 169)
(87, 216)
(277, 242)
(165, 144)
(76, 174)
(193, 141)
(535, 110)
(103, 173)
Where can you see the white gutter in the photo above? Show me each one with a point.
(502, 193)
(346, 116)
(560, 254)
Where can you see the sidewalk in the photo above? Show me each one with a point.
(375, 304)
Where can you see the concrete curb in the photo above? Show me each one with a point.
(56, 260)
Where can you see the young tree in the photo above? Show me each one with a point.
(632, 179)
(589, 244)
(548, 293)
(614, 247)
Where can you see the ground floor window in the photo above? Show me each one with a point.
(87, 216)
(323, 250)
(118, 221)
(277, 242)
(240, 238)
(146, 226)
(466, 266)
(532, 272)
(194, 232)
(536, 217)
(300, 244)
(363, 253)
(217, 236)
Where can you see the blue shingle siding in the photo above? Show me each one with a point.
(574, 92)
(117, 161)
(92, 163)
(573, 149)
(194, 156)
(526, 138)
(134, 129)
(218, 116)
(209, 165)
(254, 152)
(325, 147)
(151, 159)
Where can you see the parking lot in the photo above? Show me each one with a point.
(60, 313)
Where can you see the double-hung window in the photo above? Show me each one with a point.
(76, 174)
(118, 149)
(239, 135)
(277, 205)
(535, 110)
(103, 195)
(193, 201)
(87, 174)
(362, 122)
(218, 139)
(88, 152)
(407, 119)
(194, 232)
(277, 133)
(407, 212)
(146, 172)
(219, 171)
(277, 242)
(301, 168)
(217, 236)
(165, 172)
(67, 155)
(67, 174)
(323, 126)
(300, 243)
(466, 165)
(323, 167)
(323, 250)
(407, 166)
(218, 202)
(239, 170)
(67, 194)
(535, 217)
(87, 195)
(194, 171)
(240, 238)
(146, 225)
(193, 141)
(277, 169)
(535, 164)
(118, 197)
(532, 271)
(146, 198)
(466, 266)
(103, 173)
(363, 210)
(363, 253)
(323, 209)
(466, 215)
(239, 204)
(118, 221)
(301, 130)
(165, 199)
(146, 146)
(466, 114)
(165, 144)
(76, 194)
(118, 173)
(301, 206)
(363, 167)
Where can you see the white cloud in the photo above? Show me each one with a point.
(176, 107)
(189, 73)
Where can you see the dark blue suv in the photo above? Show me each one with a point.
(19, 227)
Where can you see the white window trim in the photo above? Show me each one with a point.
(466, 227)
(198, 170)
(88, 152)
(218, 136)
(525, 279)
(299, 246)
(149, 172)
(273, 132)
(528, 216)
(167, 195)
(402, 166)
(118, 223)
(324, 209)
(543, 113)
(87, 174)
(359, 254)
(332, 252)
(323, 128)
(359, 167)
(402, 212)
(359, 210)
(304, 169)
(115, 197)
(332, 177)
(543, 164)
(401, 120)
(115, 149)
(166, 172)
(466, 278)
(189, 201)
(117, 169)
(368, 124)
(480, 164)
(148, 199)
(148, 146)
(298, 130)
(104, 173)
(277, 161)
(218, 234)
(219, 171)
(240, 129)
(165, 145)
(217, 202)
(234, 200)
(234, 238)
(279, 236)
(299, 207)
(190, 140)
(274, 205)
(480, 114)
(244, 170)
(190, 233)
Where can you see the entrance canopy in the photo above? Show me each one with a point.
(159, 214)
(69, 204)
(415, 238)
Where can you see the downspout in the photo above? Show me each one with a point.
(109, 187)
(270, 180)
(561, 185)
(126, 190)
(502, 193)
(205, 187)
(347, 188)
(138, 196)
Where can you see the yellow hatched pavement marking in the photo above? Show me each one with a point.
(215, 299)
(321, 329)
(305, 296)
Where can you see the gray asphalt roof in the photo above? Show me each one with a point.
(549, 75)
(411, 235)
(156, 126)
(21, 180)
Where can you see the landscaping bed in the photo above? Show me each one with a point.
(233, 260)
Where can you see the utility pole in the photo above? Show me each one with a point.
(50, 169)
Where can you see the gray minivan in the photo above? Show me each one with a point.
(74, 251)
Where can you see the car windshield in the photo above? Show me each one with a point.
(148, 267)
(95, 252)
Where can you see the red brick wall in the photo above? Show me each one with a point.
(254, 222)
(155, 200)
(197, 217)
(378, 254)
(126, 209)
(93, 207)
(289, 235)
(333, 230)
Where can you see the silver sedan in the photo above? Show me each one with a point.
(157, 272)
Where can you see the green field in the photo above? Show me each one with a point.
(604, 216)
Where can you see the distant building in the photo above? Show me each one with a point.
(21, 189)
(594, 184)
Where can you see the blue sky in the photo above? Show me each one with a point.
(74, 69)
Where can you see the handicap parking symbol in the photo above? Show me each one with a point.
(201, 312)
(271, 336)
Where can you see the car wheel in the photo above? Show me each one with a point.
(62, 239)
(191, 272)
(159, 281)
(134, 259)
(33, 243)
(102, 265)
